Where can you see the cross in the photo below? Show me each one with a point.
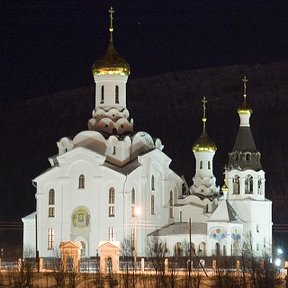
(204, 101)
(225, 173)
(245, 80)
(111, 11)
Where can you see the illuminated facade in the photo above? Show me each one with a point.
(110, 183)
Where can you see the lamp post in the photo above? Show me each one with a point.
(190, 249)
(278, 260)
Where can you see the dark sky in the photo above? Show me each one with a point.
(49, 46)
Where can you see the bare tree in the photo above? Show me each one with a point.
(127, 256)
(157, 250)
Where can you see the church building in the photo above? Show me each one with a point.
(111, 184)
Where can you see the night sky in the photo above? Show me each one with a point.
(50, 46)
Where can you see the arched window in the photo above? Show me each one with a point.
(152, 182)
(171, 205)
(51, 202)
(178, 249)
(51, 237)
(202, 249)
(152, 205)
(112, 195)
(248, 157)
(201, 164)
(81, 182)
(259, 186)
(236, 185)
(51, 211)
(133, 202)
(133, 196)
(51, 197)
(224, 250)
(117, 94)
(218, 251)
(111, 202)
(209, 165)
(83, 251)
(248, 184)
(180, 217)
(236, 156)
(102, 94)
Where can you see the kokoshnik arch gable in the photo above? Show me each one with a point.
(109, 184)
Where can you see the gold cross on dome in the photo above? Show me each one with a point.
(204, 101)
(245, 80)
(225, 174)
(111, 11)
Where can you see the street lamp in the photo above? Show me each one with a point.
(278, 260)
(279, 251)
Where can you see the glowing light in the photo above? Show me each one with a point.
(279, 251)
(277, 262)
(137, 211)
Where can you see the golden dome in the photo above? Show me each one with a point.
(204, 144)
(245, 108)
(224, 187)
(111, 63)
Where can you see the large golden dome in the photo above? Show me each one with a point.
(204, 144)
(111, 63)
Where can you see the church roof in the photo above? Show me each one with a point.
(243, 146)
(181, 228)
(244, 141)
(126, 169)
(224, 213)
(30, 216)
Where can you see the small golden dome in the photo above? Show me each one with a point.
(245, 108)
(224, 187)
(204, 144)
(111, 63)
